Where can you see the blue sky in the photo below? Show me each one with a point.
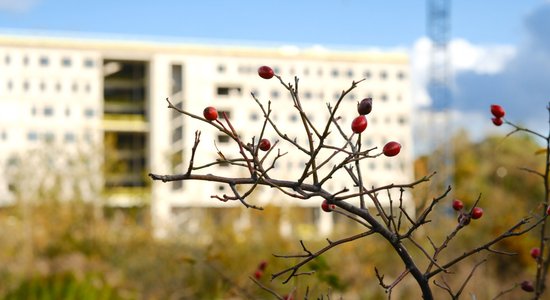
(387, 23)
(500, 48)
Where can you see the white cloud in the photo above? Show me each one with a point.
(17, 5)
(479, 59)
(464, 57)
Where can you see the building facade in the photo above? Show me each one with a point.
(110, 95)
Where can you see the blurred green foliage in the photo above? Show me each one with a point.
(56, 249)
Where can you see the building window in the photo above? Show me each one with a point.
(69, 137)
(228, 91)
(89, 112)
(383, 75)
(89, 63)
(222, 112)
(66, 62)
(334, 73)
(4, 135)
(7, 59)
(369, 142)
(367, 74)
(293, 118)
(308, 95)
(33, 111)
(25, 60)
(177, 78)
(48, 111)
(402, 120)
(26, 85)
(87, 88)
(223, 139)
(49, 137)
(372, 165)
(276, 70)
(350, 73)
(44, 61)
(253, 116)
(221, 68)
(75, 87)
(42, 86)
(67, 111)
(274, 94)
(58, 87)
(177, 134)
(401, 75)
(88, 137)
(32, 136)
(177, 185)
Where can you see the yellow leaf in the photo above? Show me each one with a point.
(540, 151)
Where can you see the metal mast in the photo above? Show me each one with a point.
(439, 88)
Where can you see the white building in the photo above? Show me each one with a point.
(112, 93)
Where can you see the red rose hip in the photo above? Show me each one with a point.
(365, 106)
(477, 212)
(497, 111)
(497, 121)
(535, 252)
(264, 144)
(258, 274)
(327, 207)
(527, 286)
(266, 72)
(210, 113)
(359, 124)
(262, 265)
(391, 149)
(457, 205)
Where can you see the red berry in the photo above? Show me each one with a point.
(288, 297)
(262, 265)
(365, 106)
(527, 286)
(497, 111)
(264, 144)
(266, 72)
(548, 210)
(210, 113)
(497, 121)
(477, 212)
(327, 207)
(457, 205)
(258, 274)
(359, 124)
(535, 252)
(391, 149)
